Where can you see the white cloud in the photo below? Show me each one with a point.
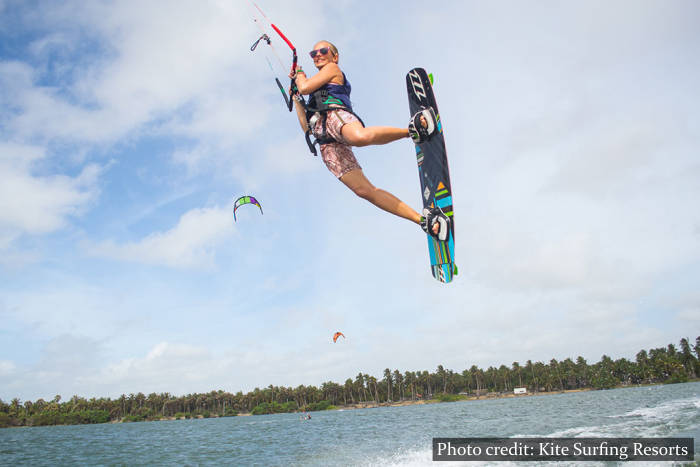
(64, 361)
(158, 60)
(6, 368)
(38, 204)
(76, 365)
(191, 243)
(165, 365)
(691, 316)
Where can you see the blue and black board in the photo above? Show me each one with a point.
(434, 174)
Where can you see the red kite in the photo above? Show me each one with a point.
(337, 335)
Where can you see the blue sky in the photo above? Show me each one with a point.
(127, 129)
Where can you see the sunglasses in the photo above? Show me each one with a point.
(322, 51)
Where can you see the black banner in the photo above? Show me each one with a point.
(563, 449)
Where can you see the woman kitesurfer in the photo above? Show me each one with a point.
(330, 118)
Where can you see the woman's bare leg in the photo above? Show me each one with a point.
(362, 187)
(357, 135)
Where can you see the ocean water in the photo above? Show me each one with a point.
(385, 436)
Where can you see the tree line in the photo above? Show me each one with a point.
(669, 364)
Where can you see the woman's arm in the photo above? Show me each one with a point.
(329, 73)
(301, 113)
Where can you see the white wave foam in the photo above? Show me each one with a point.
(423, 457)
(410, 458)
(661, 420)
(665, 410)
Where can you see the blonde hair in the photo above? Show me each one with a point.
(334, 49)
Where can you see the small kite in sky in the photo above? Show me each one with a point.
(337, 335)
(245, 200)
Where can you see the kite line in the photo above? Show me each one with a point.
(265, 37)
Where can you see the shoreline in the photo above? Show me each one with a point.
(404, 403)
(372, 404)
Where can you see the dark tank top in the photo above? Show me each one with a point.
(339, 91)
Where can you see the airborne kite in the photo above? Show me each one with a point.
(337, 335)
(245, 200)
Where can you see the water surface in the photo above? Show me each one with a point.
(377, 436)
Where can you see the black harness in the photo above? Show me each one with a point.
(322, 102)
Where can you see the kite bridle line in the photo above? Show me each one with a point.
(292, 87)
(266, 38)
(291, 46)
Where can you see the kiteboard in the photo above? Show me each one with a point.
(434, 175)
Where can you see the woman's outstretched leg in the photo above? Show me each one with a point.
(362, 187)
(357, 135)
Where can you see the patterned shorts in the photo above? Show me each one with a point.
(338, 157)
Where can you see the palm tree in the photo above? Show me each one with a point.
(554, 366)
(567, 369)
(348, 390)
(603, 378)
(658, 358)
(387, 377)
(442, 375)
(622, 370)
(425, 380)
(15, 406)
(372, 381)
(539, 371)
(410, 379)
(504, 373)
(687, 359)
(398, 379)
(530, 368)
(360, 383)
(477, 374)
(515, 368)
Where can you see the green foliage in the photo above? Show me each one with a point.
(95, 416)
(318, 406)
(49, 417)
(604, 380)
(677, 378)
(290, 406)
(134, 418)
(5, 420)
(442, 397)
(54, 417)
(262, 409)
(274, 407)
